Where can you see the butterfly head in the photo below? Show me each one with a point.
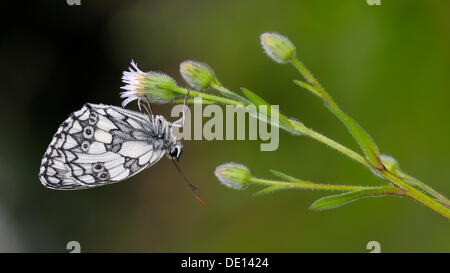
(176, 151)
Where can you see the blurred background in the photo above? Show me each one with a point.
(387, 66)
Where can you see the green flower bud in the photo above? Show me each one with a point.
(158, 87)
(197, 75)
(277, 47)
(390, 163)
(233, 175)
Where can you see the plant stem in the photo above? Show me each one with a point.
(408, 190)
(419, 184)
(368, 146)
(301, 128)
(192, 93)
(310, 78)
(219, 99)
(307, 185)
(370, 149)
(416, 194)
(229, 93)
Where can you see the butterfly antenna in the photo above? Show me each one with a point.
(191, 187)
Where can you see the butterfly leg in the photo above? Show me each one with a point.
(149, 109)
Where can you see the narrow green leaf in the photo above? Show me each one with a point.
(257, 100)
(288, 177)
(368, 146)
(193, 101)
(269, 189)
(364, 140)
(236, 97)
(228, 93)
(334, 201)
(308, 87)
(264, 118)
(393, 166)
(284, 123)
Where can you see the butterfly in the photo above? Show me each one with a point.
(102, 144)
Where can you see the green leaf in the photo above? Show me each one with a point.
(368, 146)
(364, 140)
(334, 201)
(393, 166)
(236, 97)
(390, 163)
(255, 99)
(228, 93)
(177, 101)
(308, 87)
(284, 123)
(288, 177)
(269, 189)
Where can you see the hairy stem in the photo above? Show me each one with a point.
(408, 190)
(370, 149)
(419, 184)
(209, 97)
(307, 185)
(301, 128)
(416, 194)
(310, 78)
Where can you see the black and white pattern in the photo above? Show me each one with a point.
(101, 144)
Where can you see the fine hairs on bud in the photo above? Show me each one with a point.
(197, 75)
(157, 87)
(160, 87)
(390, 163)
(277, 47)
(233, 175)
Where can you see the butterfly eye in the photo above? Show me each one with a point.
(176, 152)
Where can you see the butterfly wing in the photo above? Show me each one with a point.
(99, 145)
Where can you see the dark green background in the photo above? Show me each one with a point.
(387, 66)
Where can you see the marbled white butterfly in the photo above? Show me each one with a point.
(101, 144)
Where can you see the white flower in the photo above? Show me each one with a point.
(156, 87)
(134, 81)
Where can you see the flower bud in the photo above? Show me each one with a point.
(158, 87)
(233, 175)
(197, 75)
(390, 163)
(277, 47)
